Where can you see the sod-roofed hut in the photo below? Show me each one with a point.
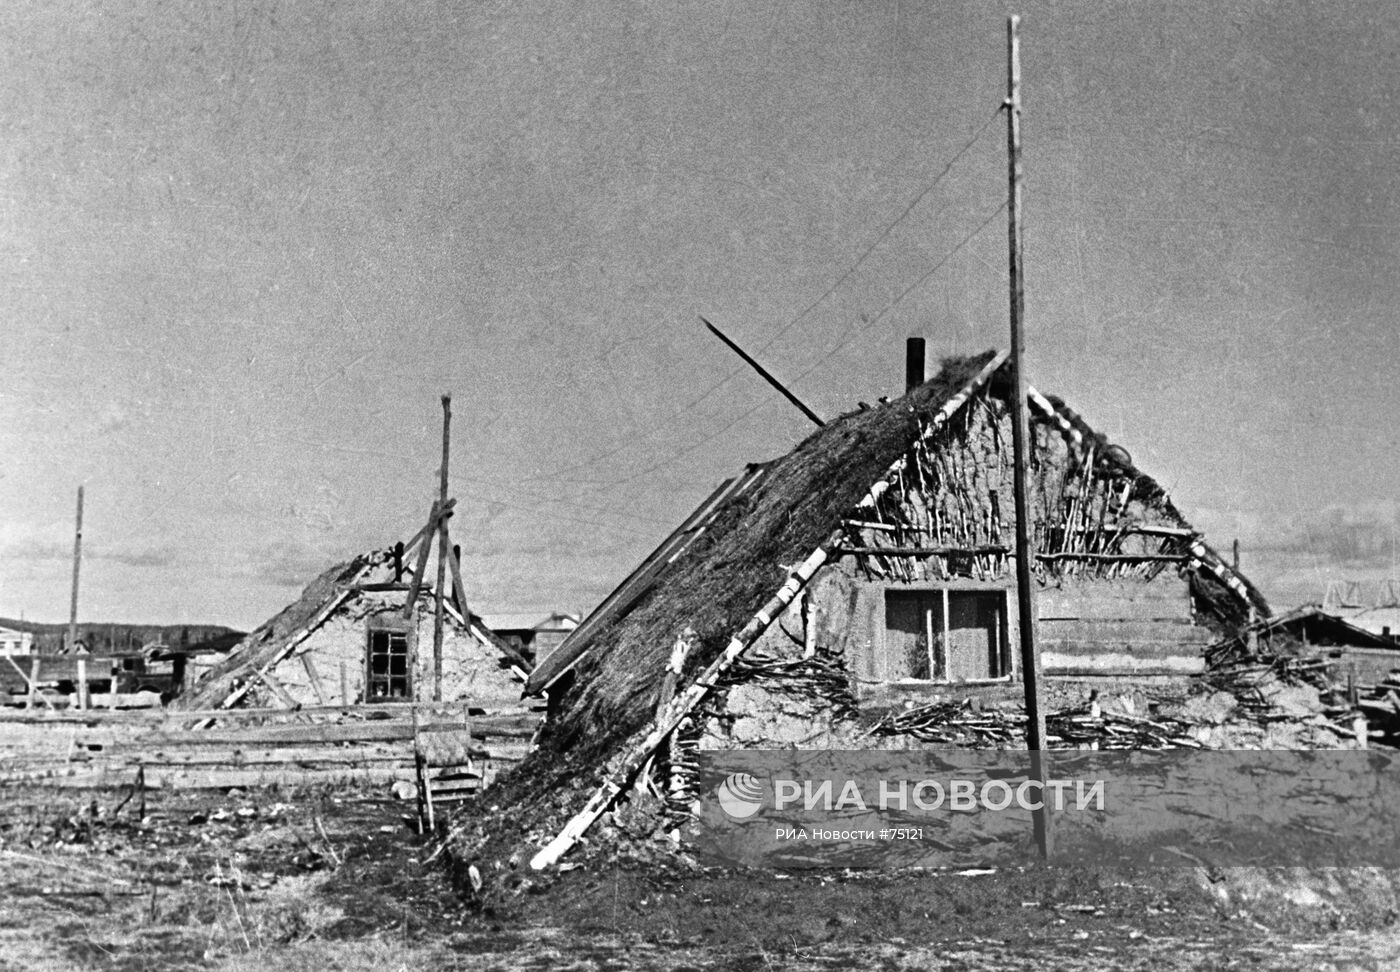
(870, 570)
(363, 633)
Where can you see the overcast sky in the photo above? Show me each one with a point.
(244, 248)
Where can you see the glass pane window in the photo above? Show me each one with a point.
(388, 670)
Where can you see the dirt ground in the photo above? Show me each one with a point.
(304, 880)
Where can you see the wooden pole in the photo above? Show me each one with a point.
(421, 564)
(444, 551)
(763, 373)
(73, 606)
(1020, 438)
(33, 682)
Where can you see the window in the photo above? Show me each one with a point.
(388, 676)
(945, 636)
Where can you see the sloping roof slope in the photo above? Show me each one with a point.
(641, 580)
(724, 572)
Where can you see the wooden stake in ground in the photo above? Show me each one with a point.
(444, 551)
(1020, 436)
(73, 608)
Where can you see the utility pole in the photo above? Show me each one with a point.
(73, 606)
(443, 550)
(1020, 439)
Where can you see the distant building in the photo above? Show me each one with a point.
(1383, 620)
(14, 642)
(1352, 652)
(353, 638)
(533, 635)
(1379, 614)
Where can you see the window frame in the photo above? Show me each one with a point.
(938, 648)
(389, 631)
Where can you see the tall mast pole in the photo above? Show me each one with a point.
(1020, 437)
(443, 551)
(73, 605)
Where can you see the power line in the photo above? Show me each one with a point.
(938, 266)
(615, 527)
(551, 501)
(854, 331)
(884, 235)
(860, 261)
(802, 315)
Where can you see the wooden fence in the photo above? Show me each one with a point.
(377, 744)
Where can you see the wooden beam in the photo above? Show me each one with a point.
(424, 531)
(279, 690)
(459, 592)
(33, 683)
(923, 551)
(782, 390)
(416, 584)
(32, 680)
(311, 674)
(426, 823)
(1115, 558)
(444, 554)
(1142, 528)
(871, 525)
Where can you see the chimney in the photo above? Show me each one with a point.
(913, 363)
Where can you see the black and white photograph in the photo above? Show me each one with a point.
(604, 485)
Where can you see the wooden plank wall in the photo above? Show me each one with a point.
(1127, 627)
(249, 748)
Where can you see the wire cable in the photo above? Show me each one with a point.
(801, 315)
(853, 332)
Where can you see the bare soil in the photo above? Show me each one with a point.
(312, 880)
